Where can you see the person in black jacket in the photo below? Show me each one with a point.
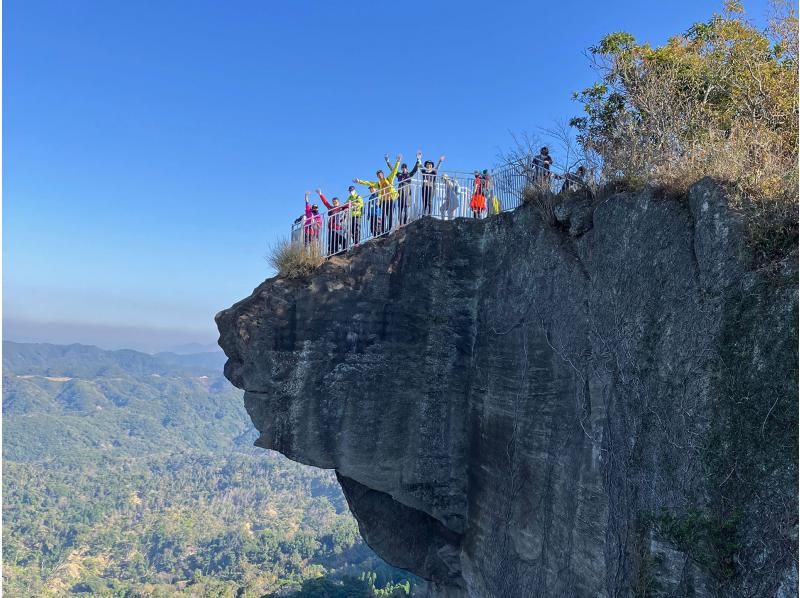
(574, 180)
(541, 164)
(428, 183)
(404, 188)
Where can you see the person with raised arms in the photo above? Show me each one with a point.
(404, 188)
(429, 183)
(337, 223)
(386, 192)
(312, 222)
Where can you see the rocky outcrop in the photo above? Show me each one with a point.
(602, 403)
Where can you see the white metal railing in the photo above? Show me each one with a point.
(447, 198)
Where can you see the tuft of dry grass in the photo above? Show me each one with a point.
(293, 259)
(543, 200)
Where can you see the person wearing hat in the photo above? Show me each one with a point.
(428, 183)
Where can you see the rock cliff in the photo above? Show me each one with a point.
(599, 403)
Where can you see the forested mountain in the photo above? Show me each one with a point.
(128, 474)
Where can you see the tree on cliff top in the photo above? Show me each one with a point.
(719, 99)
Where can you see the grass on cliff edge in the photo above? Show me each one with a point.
(294, 260)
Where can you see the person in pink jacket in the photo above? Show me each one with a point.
(312, 223)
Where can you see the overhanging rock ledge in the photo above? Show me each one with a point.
(601, 406)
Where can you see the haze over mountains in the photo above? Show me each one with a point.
(145, 338)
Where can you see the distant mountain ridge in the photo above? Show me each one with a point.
(88, 361)
(81, 397)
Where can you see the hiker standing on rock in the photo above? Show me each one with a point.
(386, 191)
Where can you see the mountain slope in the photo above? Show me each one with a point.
(134, 474)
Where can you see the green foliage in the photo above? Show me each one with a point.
(718, 100)
(615, 43)
(346, 587)
(381, 582)
(146, 485)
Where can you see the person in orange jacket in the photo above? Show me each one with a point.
(386, 192)
(478, 202)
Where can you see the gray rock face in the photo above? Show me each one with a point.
(605, 406)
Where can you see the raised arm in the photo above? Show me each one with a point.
(386, 159)
(439, 165)
(396, 166)
(365, 183)
(308, 205)
(325, 201)
(418, 163)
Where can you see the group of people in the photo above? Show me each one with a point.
(391, 196)
(386, 199)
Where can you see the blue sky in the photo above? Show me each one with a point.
(153, 150)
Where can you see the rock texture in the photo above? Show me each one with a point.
(599, 403)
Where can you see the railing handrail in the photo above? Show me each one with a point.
(387, 212)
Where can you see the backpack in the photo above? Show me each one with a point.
(496, 205)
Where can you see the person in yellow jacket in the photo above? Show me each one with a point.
(386, 192)
(356, 204)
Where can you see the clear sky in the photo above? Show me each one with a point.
(153, 150)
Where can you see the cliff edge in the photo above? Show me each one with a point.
(605, 405)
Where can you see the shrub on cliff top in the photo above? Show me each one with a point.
(293, 259)
(719, 100)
